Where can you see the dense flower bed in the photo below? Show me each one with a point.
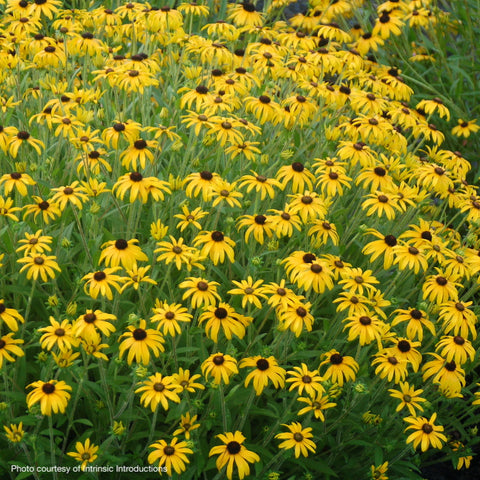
(232, 245)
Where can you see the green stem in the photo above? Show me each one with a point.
(52, 445)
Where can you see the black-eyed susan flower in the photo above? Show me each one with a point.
(48, 210)
(354, 304)
(40, 265)
(136, 276)
(187, 424)
(296, 317)
(34, 243)
(8, 347)
(158, 390)
(201, 291)
(85, 453)
(297, 175)
(10, 316)
(139, 341)
(426, 433)
(58, 334)
(285, 222)
(308, 205)
(190, 218)
(390, 366)
(383, 246)
(17, 181)
(458, 318)
(102, 281)
(7, 209)
(340, 368)
(465, 128)
(14, 433)
(417, 319)
(298, 438)
(70, 194)
(250, 290)
(223, 318)
(440, 288)
(122, 252)
(128, 130)
(94, 347)
(53, 396)
(455, 348)
(171, 455)
(448, 375)
(358, 281)
(301, 378)
(167, 317)
(245, 14)
(225, 193)
(201, 182)
(410, 257)
(316, 404)
(233, 453)
(219, 366)
(187, 382)
(265, 370)
(366, 328)
(215, 245)
(409, 397)
(91, 322)
(258, 225)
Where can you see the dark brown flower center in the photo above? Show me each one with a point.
(459, 340)
(298, 437)
(136, 177)
(301, 312)
(262, 364)
(89, 317)
(392, 360)
(60, 332)
(336, 359)
(404, 346)
(48, 388)
(390, 240)
(140, 144)
(39, 260)
(233, 448)
(221, 313)
(217, 236)
(427, 428)
(218, 360)
(202, 286)
(316, 268)
(168, 450)
(260, 219)
(121, 244)
(364, 320)
(298, 167)
(139, 334)
(442, 281)
(159, 387)
(205, 175)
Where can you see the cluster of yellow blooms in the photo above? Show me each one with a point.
(293, 186)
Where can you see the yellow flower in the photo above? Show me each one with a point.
(170, 455)
(157, 390)
(298, 438)
(39, 265)
(426, 433)
(233, 453)
(53, 396)
(86, 453)
(15, 433)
